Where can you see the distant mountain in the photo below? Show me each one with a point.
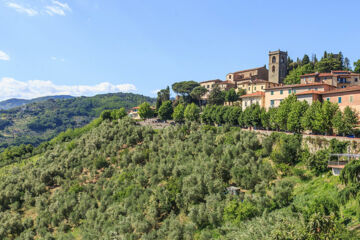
(43, 119)
(17, 102)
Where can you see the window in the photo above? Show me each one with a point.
(273, 59)
(328, 99)
(229, 76)
(294, 91)
(249, 88)
(316, 89)
(339, 99)
(273, 68)
(208, 86)
(281, 92)
(289, 91)
(262, 87)
(245, 103)
(272, 92)
(356, 79)
(351, 99)
(255, 88)
(282, 60)
(272, 103)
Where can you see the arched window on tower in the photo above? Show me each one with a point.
(273, 68)
(273, 59)
(282, 60)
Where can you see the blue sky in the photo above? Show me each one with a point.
(85, 47)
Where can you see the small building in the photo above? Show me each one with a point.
(134, 113)
(339, 164)
(339, 79)
(344, 97)
(253, 98)
(275, 95)
(252, 86)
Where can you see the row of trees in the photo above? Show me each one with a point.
(291, 115)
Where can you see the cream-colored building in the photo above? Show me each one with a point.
(209, 85)
(253, 98)
(339, 79)
(249, 74)
(252, 86)
(275, 95)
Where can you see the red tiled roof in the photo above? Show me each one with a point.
(325, 74)
(247, 70)
(309, 92)
(227, 82)
(298, 85)
(135, 108)
(341, 90)
(309, 74)
(215, 80)
(255, 94)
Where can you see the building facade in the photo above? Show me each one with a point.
(344, 97)
(277, 66)
(249, 74)
(253, 98)
(274, 96)
(252, 86)
(209, 85)
(340, 79)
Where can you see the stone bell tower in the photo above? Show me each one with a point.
(277, 66)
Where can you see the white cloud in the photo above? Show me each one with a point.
(57, 8)
(47, 7)
(21, 9)
(58, 59)
(4, 56)
(11, 88)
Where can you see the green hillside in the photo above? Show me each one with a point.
(16, 102)
(41, 121)
(114, 179)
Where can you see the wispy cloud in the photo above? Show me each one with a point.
(11, 88)
(22, 9)
(47, 7)
(58, 59)
(4, 56)
(57, 8)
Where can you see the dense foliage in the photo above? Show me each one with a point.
(117, 180)
(38, 122)
(327, 63)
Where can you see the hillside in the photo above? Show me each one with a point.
(41, 121)
(117, 180)
(16, 102)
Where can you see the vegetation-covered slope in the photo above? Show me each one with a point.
(16, 102)
(117, 180)
(38, 122)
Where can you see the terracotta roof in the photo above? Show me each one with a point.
(227, 82)
(309, 74)
(325, 74)
(341, 90)
(309, 92)
(298, 85)
(247, 70)
(215, 80)
(255, 94)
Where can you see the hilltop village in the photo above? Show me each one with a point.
(266, 86)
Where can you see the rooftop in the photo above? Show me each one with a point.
(341, 90)
(214, 80)
(255, 94)
(298, 85)
(251, 69)
(310, 92)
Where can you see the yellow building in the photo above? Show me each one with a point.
(249, 74)
(209, 85)
(252, 86)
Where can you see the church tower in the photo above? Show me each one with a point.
(277, 66)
